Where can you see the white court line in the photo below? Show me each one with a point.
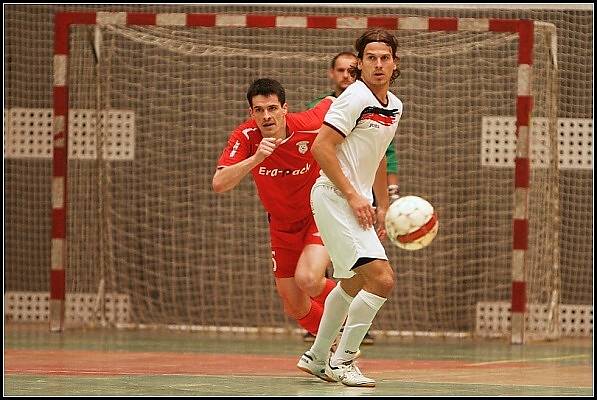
(489, 384)
(529, 360)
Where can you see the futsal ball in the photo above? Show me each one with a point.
(411, 223)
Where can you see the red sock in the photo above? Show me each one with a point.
(311, 321)
(329, 285)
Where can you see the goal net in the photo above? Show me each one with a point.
(158, 103)
(150, 109)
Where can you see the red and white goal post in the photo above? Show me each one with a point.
(171, 245)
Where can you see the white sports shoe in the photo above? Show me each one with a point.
(348, 374)
(314, 366)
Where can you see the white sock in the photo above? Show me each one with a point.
(361, 312)
(334, 312)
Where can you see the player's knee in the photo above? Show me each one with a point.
(388, 285)
(307, 281)
(384, 282)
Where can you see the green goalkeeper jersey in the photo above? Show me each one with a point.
(391, 159)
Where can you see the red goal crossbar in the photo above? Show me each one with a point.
(63, 21)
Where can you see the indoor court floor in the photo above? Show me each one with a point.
(111, 362)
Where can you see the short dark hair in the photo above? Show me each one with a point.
(376, 35)
(266, 87)
(342, 54)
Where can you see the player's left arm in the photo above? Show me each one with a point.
(312, 119)
(315, 101)
(380, 185)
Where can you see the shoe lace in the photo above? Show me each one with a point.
(353, 371)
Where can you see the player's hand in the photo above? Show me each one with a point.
(380, 223)
(362, 210)
(266, 148)
(393, 193)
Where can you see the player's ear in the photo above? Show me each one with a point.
(285, 108)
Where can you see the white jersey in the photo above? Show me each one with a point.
(368, 126)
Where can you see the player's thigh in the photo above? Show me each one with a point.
(333, 221)
(345, 240)
(311, 267)
(284, 261)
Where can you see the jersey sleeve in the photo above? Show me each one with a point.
(312, 119)
(345, 111)
(238, 147)
(316, 100)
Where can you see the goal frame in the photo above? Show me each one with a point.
(524, 104)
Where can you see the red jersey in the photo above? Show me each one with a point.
(284, 179)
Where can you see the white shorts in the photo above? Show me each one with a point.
(345, 240)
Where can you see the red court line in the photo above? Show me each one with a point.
(78, 362)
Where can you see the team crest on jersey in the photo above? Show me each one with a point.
(303, 146)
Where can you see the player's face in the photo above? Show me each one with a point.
(377, 64)
(339, 74)
(270, 115)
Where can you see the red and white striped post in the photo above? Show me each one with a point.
(62, 24)
(63, 20)
(522, 175)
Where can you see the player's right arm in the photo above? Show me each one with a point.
(339, 121)
(324, 152)
(227, 177)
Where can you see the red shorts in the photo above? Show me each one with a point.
(288, 241)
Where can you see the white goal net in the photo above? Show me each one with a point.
(147, 224)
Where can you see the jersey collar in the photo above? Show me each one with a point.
(374, 95)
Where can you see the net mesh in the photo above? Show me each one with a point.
(150, 227)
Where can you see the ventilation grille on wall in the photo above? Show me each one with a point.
(493, 319)
(28, 133)
(80, 308)
(575, 142)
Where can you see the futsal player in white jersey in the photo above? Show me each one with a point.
(350, 150)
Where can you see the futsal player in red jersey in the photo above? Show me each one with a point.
(275, 147)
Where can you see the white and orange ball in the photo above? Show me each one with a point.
(411, 223)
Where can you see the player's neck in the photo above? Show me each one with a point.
(380, 90)
(282, 133)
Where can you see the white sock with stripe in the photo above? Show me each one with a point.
(361, 312)
(334, 312)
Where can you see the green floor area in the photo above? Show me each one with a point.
(258, 386)
(565, 357)
(23, 337)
